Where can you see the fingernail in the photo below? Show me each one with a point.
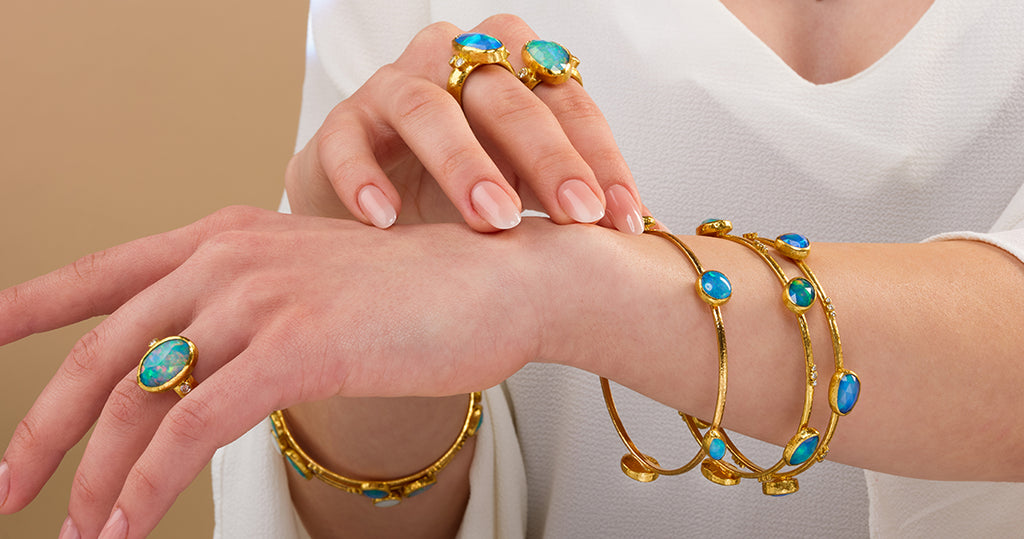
(116, 527)
(5, 482)
(376, 206)
(580, 202)
(624, 211)
(69, 530)
(494, 205)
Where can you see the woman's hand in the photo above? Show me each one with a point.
(283, 309)
(402, 148)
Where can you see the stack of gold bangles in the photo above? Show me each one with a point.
(808, 445)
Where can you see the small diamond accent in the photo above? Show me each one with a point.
(814, 375)
(185, 388)
(459, 62)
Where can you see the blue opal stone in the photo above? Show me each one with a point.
(795, 241)
(164, 362)
(715, 284)
(716, 449)
(549, 55)
(482, 42)
(800, 292)
(375, 494)
(420, 490)
(709, 221)
(804, 451)
(849, 391)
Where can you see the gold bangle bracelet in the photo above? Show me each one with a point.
(714, 288)
(798, 295)
(844, 387)
(383, 493)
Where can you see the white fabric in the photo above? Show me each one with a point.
(929, 139)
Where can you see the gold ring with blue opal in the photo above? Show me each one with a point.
(547, 61)
(168, 365)
(471, 51)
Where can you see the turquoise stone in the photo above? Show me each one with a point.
(716, 449)
(715, 284)
(375, 494)
(420, 490)
(795, 241)
(849, 391)
(295, 466)
(482, 42)
(164, 362)
(709, 221)
(800, 292)
(549, 55)
(804, 451)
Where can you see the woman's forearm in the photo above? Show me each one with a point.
(931, 329)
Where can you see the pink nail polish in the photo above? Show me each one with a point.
(376, 206)
(116, 527)
(69, 530)
(624, 211)
(5, 482)
(494, 205)
(579, 202)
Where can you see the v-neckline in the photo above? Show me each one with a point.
(918, 27)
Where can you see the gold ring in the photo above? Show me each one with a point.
(168, 365)
(547, 61)
(470, 52)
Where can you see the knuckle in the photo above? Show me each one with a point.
(25, 435)
(577, 106)
(144, 485)
(611, 164)
(513, 105)
(557, 162)
(234, 217)
(87, 265)
(84, 353)
(435, 33)
(415, 103)
(455, 160)
(190, 420)
(82, 490)
(124, 406)
(506, 21)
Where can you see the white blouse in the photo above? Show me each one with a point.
(928, 140)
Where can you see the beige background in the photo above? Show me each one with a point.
(120, 119)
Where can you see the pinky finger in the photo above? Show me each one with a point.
(212, 415)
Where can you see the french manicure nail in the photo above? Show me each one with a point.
(624, 211)
(494, 205)
(579, 202)
(69, 530)
(5, 482)
(376, 206)
(116, 527)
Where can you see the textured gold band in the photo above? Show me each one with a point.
(468, 55)
(383, 493)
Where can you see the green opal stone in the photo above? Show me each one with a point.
(549, 55)
(804, 451)
(800, 292)
(164, 362)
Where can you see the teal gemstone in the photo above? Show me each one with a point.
(804, 451)
(716, 449)
(420, 490)
(800, 292)
(849, 391)
(716, 285)
(549, 55)
(479, 421)
(482, 42)
(375, 494)
(295, 466)
(709, 221)
(164, 362)
(795, 241)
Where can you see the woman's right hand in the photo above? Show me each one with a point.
(401, 148)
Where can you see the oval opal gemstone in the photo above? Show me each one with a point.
(800, 292)
(796, 241)
(709, 221)
(164, 362)
(549, 55)
(482, 42)
(804, 451)
(715, 284)
(375, 494)
(295, 467)
(420, 490)
(849, 391)
(716, 449)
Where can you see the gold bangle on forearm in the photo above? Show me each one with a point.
(714, 288)
(798, 295)
(386, 492)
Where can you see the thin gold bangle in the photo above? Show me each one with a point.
(383, 493)
(798, 295)
(714, 288)
(844, 387)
